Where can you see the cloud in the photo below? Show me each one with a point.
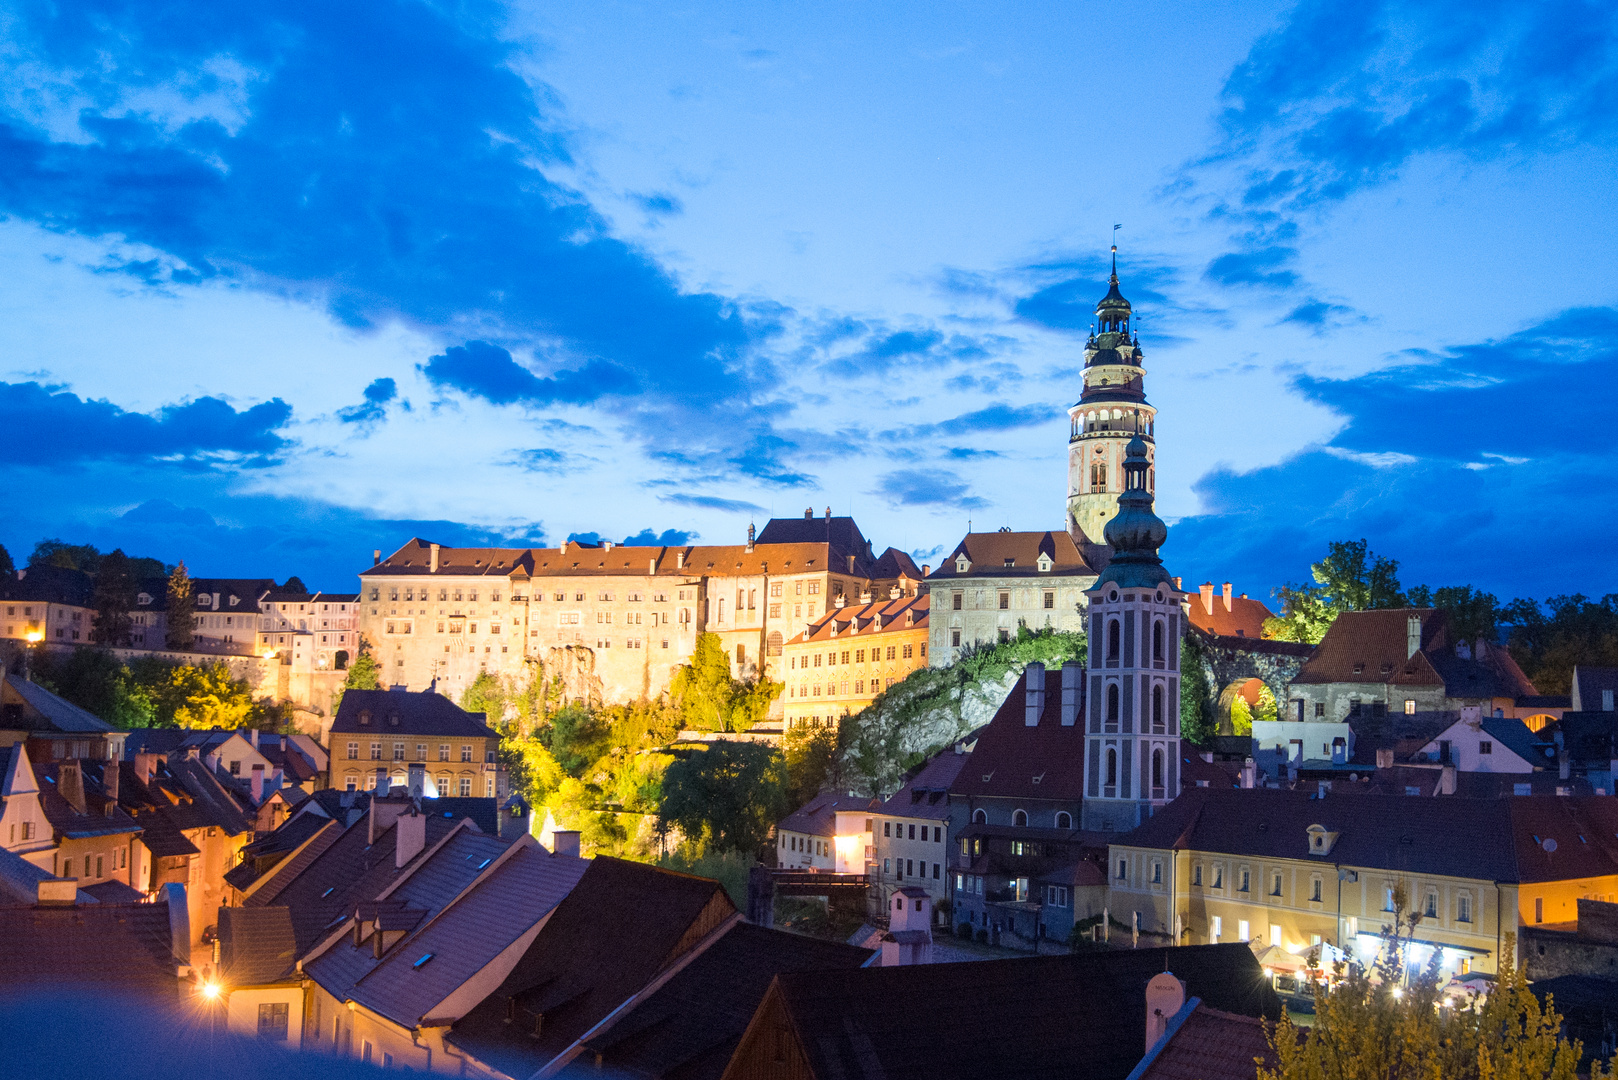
(540, 459)
(658, 204)
(923, 487)
(999, 416)
(1318, 316)
(1264, 267)
(906, 343)
(383, 159)
(969, 453)
(377, 396)
(480, 369)
(666, 538)
(1346, 92)
(710, 502)
(49, 426)
(1068, 289)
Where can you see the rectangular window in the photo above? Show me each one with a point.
(1216, 928)
(1242, 887)
(376, 751)
(398, 751)
(887, 828)
(1463, 908)
(466, 787)
(466, 752)
(272, 1021)
(421, 751)
(353, 751)
(1005, 601)
(1196, 874)
(1486, 747)
(1050, 601)
(1123, 869)
(1242, 933)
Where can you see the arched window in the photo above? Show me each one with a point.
(1112, 768)
(772, 645)
(980, 817)
(1157, 708)
(1112, 706)
(1114, 637)
(1019, 817)
(1157, 772)
(1064, 820)
(1157, 641)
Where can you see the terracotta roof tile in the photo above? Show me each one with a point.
(989, 553)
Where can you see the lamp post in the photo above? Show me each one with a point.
(32, 637)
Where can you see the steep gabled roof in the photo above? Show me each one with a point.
(1373, 647)
(1015, 761)
(818, 816)
(1013, 554)
(1209, 1044)
(926, 794)
(1022, 1019)
(47, 584)
(1588, 686)
(256, 945)
(853, 623)
(401, 712)
(622, 924)
(44, 712)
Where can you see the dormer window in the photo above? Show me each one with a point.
(1359, 669)
(1320, 840)
(393, 719)
(365, 716)
(1010, 563)
(962, 564)
(1044, 563)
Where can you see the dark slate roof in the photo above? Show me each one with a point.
(98, 819)
(1035, 1017)
(818, 816)
(1514, 735)
(423, 713)
(154, 741)
(1015, 761)
(257, 857)
(19, 879)
(1376, 643)
(987, 553)
(1211, 1045)
(112, 892)
(502, 906)
(101, 947)
(485, 813)
(1505, 837)
(48, 713)
(1591, 737)
(926, 794)
(47, 584)
(690, 1026)
(622, 924)
(839, 533)
(256, 945)
(183, 793)
(284, 873)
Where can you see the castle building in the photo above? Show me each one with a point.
(1132, 748)
(1111, 412)
(844, 660)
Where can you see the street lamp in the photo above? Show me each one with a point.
(32, 637)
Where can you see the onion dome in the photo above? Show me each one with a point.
(1135, 532)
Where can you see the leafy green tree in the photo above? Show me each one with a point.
(7, 567)
(113, 600)
(726, 797)
(94, 680)
(60, 553)
(180, 632)
(1473, 613)
(1574, 631)
(1241, 716)
(1266, 708)
(295, 584)
(578, 738)
(1380, 1024)
(1199, 713)
(1350, 578)
(814, 762)
(363, 674)
(637, 782)
(710, 700)
(206, 696)
(487, 695)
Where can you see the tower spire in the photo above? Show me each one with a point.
(1115, 229)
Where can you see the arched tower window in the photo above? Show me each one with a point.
(1157, 640)
(1157, 708)
(1114, 638)
(1112, 769)
(1157, 773)
(1112, 707)
(1019, 817)
(1064, 820)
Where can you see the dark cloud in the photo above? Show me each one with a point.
(1344, 93)
(374, 407)
(927, 487)
(540, 459)
(1265, 267)
(666, 538)
(1319, 317)
(710, 502)
(658, 204)
(385, 157)
(48, 426)
(997, 417)
(480, 369)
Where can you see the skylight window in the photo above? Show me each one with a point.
(424, 958)
(484, 863)
(328, 892)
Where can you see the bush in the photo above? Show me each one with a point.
(964, 931)
(983, 936)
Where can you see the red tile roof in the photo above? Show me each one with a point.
(855, 623)
(1211, 613)
(1372, 647)
(1012, 760)
(989, 552)
(1211, 1045)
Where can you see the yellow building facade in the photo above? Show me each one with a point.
(837, 665)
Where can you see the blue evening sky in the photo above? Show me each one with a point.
(281, 283)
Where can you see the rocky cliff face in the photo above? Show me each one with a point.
(937, 706)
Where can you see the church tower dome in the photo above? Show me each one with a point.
(1112, 411)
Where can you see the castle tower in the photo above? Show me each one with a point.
(1111, 411)
(1132, 706)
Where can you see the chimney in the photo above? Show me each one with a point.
(252, 737)
(1412, 636)
(257, 787)
(1384, 758)
(376, 556)
(1446, 780)
(1564, 760)
(145, 767)
(384, 812)
(58, 892)
(809, 513)
(910, 913)
(418, 779)
(1177, 587)
(565, 842)
(1165, 996)
(1072, 689)
(384, 784)
(850, 564)
(562, 547)
(1227, 597)
(651, 566)
(1034, 685)
(109, 784)
(679, 560)
(432, 558)
(828, 513)
(1207, 597)
(515, 818)
(1249, 773)
(70, 784)
(924, 569)
(409, 835)
(751, 534)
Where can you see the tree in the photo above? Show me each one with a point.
(181, 615)
(363, 674)
(578, 738)
(486, 695)
(1380, 1024)
(725, 797)
(113, 600)
(94, 680)
(7, 567)
(1576, 631)
(1349, 578)
(1199, 719)
(813, 762)
(60, 553)
(205, 696)
(710, 700)
(1472, 613)
(295, 584)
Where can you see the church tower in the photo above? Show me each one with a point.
(1132, 688)
(1111, 411)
